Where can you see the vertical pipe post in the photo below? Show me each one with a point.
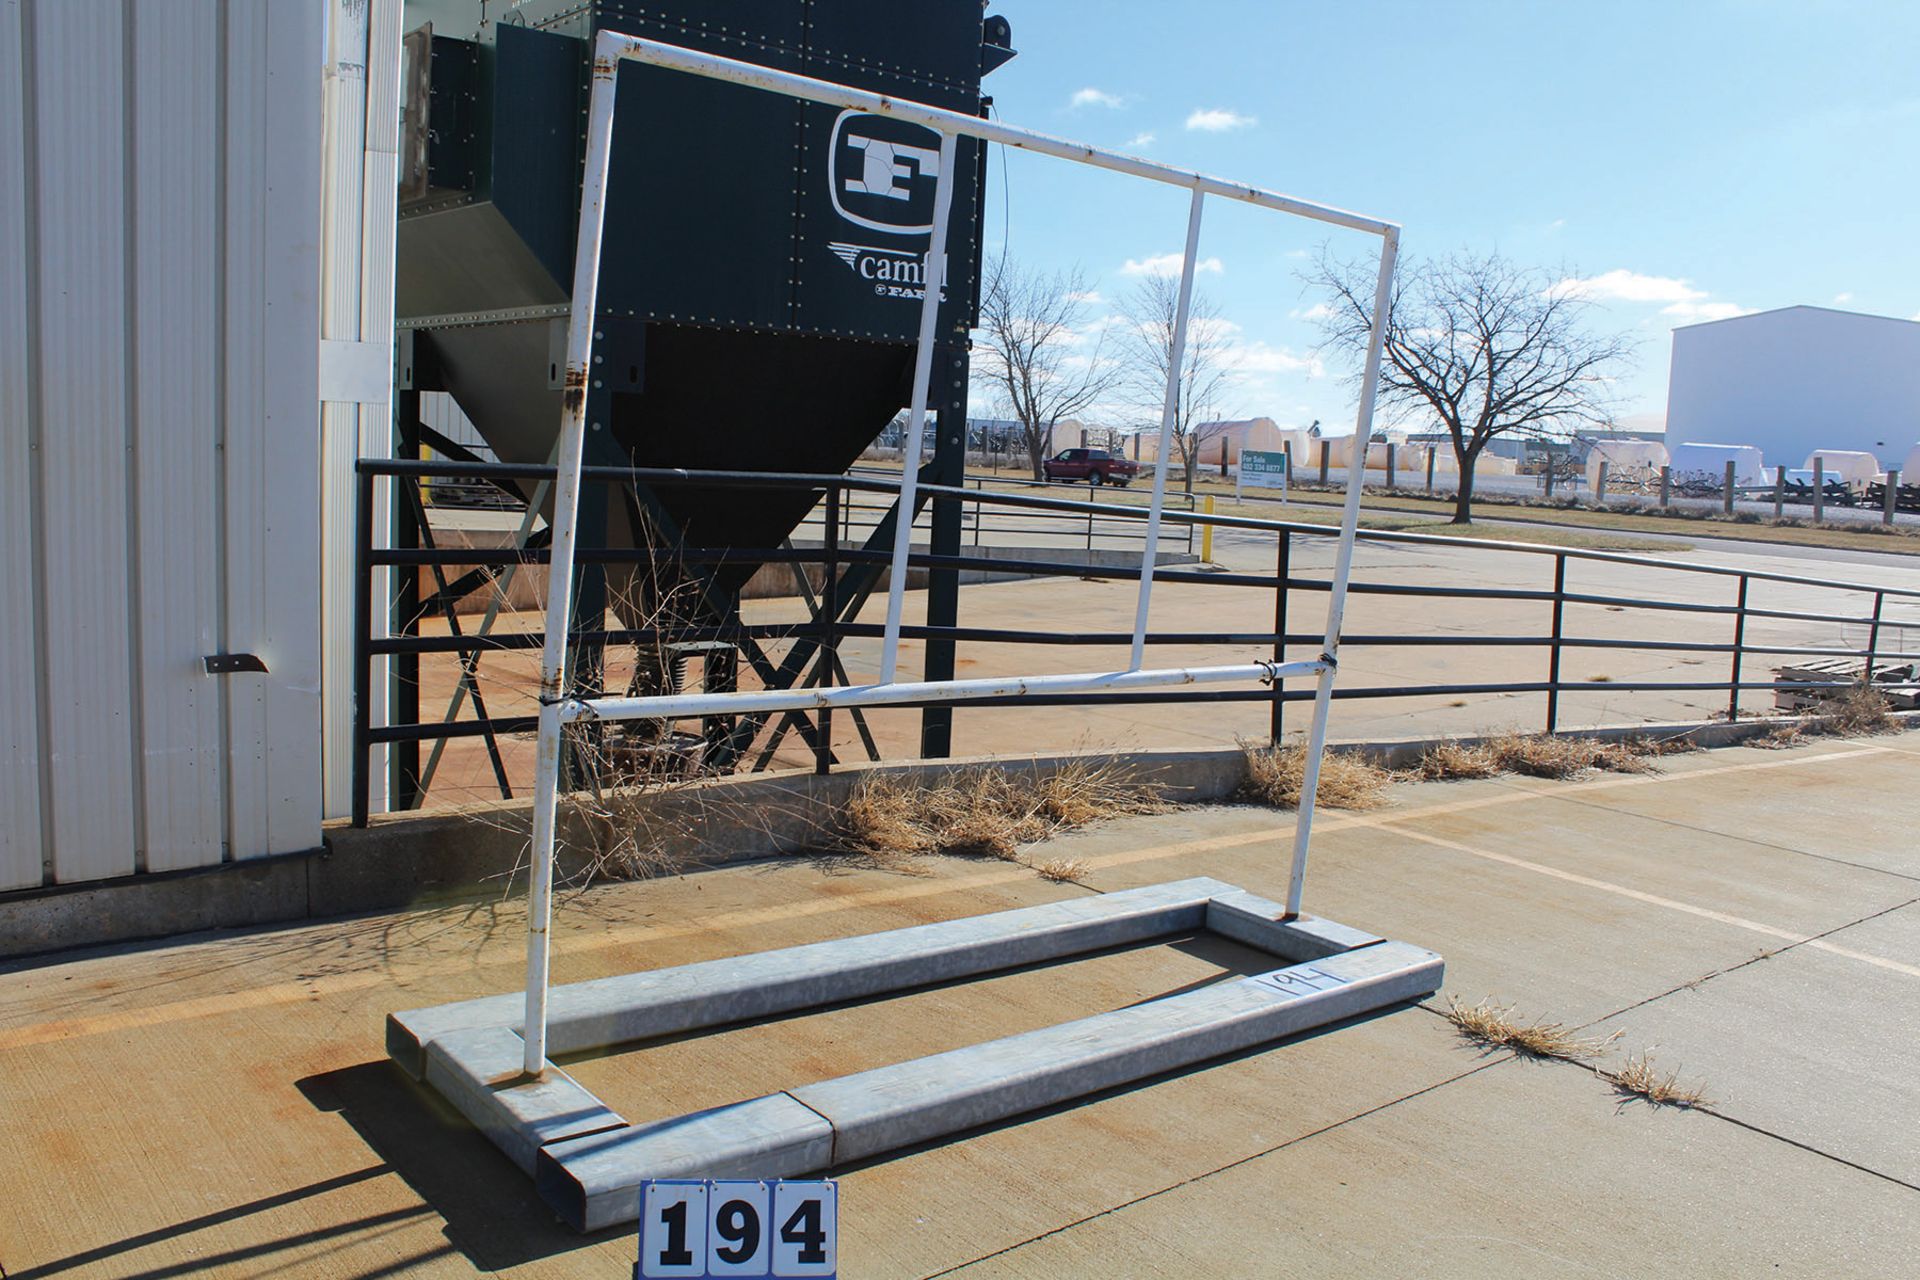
(1873, 637)
(1600, 483)
(1819, 489)
(1283, 570)
(362, 645)
(1779, 492)
(1739, 651)
(1342, 570)
(934, 277)
(403, 671)
(1726, 497)
(1553, 658)
(1666, 486)
(566, 512)
(1433, 455)
(1169, 409)
(1390, 469)
(1325, 459)
(1890, 495)
(1547, 475)
(830, 613)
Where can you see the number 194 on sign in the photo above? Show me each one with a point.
(705, 1230)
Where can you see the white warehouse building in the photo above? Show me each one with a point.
(1798, 379)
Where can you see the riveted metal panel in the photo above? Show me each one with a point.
(20, 746)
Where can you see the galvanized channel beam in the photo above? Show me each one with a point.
(588, 1161)
(594, 1181)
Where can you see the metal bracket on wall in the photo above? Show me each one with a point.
(226, 664)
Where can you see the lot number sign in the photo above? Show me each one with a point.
(705, 1230)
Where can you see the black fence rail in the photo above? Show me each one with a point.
(851, 569)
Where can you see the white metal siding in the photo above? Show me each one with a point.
(159, 434)
(80, 190)
(361, 174)
(176, 360)
(272, 449)
(20, 864)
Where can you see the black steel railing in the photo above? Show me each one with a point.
(849, 573)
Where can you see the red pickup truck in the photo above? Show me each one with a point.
(1095, 466)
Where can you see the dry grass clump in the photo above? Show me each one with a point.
(1450, 760)
(1494, 1026)
(1275, 776)
(1641, 1079)
(1069, 870)
(1542, 755)
(1859, 711)
(991, 812)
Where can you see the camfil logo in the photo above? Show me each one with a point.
(883, 172)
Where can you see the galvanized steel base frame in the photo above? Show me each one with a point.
(588, 1162)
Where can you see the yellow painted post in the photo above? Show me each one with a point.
(1206, 534)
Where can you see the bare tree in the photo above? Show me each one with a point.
(1488, 347)
(1149, 313)
(1031, 327)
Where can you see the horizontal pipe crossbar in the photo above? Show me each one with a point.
(923, 692)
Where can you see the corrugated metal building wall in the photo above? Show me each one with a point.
(160, 266)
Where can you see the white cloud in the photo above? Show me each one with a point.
(1691, 312)
(1620, 285)
(1168, 264)
(1318, 311)
(1089, 296)
(1092, 97)
(1296, 253)
(1258, 357)
(1219, 120)
(1556, 224)
(1841, 299)
(1142, 139)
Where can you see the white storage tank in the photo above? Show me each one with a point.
(1696, 463)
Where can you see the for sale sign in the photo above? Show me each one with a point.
(1260, 470)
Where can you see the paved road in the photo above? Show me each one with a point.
(223, 1105)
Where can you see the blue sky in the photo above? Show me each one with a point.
(1691, 159)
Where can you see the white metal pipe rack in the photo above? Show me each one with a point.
(557, 707)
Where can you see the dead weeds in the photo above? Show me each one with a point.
(897, 821)
(1641, 1079)
(1495, 1027)
(1276, 775)
(1860, 712)
(1541, 755)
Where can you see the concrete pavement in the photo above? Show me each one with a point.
(222, 1104)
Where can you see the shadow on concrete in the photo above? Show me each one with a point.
(492, 1214)
(372, 1223)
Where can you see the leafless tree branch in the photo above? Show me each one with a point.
(1033, 326)
(1487, 347)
